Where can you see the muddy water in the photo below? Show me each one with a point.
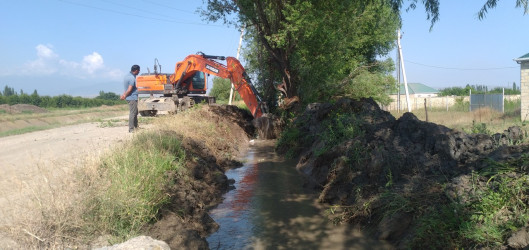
(268, 209)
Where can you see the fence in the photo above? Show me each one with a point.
(439, 102)
(493, 101)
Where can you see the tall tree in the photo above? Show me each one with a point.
(8, 91)
(221, 89)
(307, 45)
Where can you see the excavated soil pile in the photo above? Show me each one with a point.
(20, 108)
(184, 223)
(390, 159)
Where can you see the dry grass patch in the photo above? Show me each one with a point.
(200, 124)
(47, 212)
(494, 121)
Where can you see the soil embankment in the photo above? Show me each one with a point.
(388, 174)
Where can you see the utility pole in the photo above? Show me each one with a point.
(238, 52)
(403, 72)
(398, 81)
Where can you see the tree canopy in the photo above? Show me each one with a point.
(321, 49)
(314, 49)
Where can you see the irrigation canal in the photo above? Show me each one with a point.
(269, 209)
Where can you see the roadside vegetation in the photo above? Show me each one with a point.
(114, 198)
(11, 97)
(131, 184)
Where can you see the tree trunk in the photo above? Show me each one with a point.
(279, 55)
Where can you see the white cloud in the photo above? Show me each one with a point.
(44, 62)
(45, 52)
(93, 62)
(49, 63)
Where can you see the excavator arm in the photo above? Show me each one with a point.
(233, 70)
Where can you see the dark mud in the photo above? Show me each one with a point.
(416, 163)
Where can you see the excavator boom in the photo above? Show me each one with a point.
(178, 83)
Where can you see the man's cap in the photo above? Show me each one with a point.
(135, 67)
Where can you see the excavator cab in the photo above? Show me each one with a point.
(198, 83)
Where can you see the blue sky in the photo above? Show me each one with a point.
(461, 49)
(80, 47)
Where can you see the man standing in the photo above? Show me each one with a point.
(131, 95)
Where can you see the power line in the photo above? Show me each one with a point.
(451, 68)
(136, 15)
(142, 10)
(168, 7)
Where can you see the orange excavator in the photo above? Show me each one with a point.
(188, 84)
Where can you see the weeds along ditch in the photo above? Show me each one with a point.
(174, 168)
(133, 183)
(415, 184)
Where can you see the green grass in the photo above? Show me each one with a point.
(339, 128)
(495, 208)
(135, 180)
(57, 112)
(28, 130)
(497, 211)
(291, 141)
(335, 129)
(110, 123)
(439, 228)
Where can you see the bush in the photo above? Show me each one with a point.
(221, 90)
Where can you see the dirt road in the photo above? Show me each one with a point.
(29, 161)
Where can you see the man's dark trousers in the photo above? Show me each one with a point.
(133, 115)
